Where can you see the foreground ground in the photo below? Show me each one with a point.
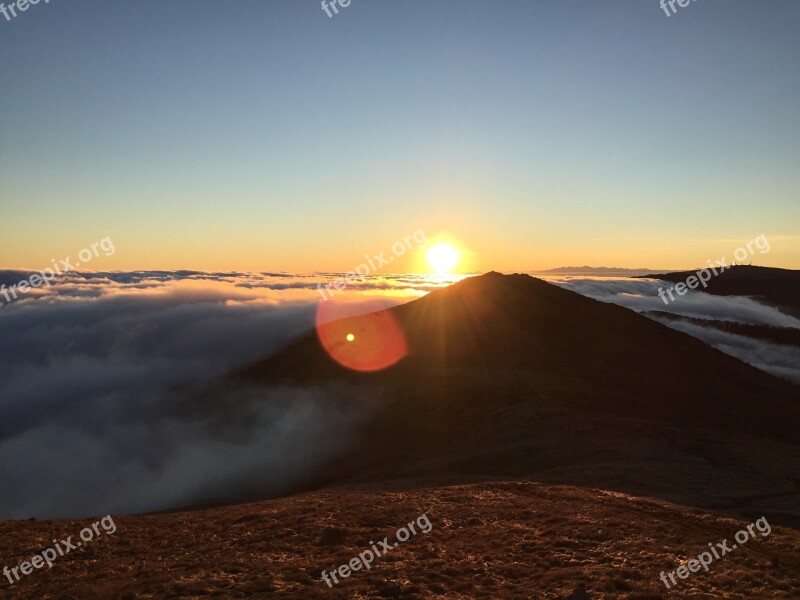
(488, 540)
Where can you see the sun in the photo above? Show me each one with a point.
(443, 258)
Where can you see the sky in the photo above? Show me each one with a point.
(261, 135)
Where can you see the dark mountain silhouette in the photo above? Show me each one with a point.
(509, 376)
(779, 287)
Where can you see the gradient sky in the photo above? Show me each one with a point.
(263, 135)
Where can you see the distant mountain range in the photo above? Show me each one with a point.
(596, 271)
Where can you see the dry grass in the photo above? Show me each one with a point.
(489, 540)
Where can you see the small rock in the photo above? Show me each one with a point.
(332, 536)
(579, 594)
(390, 590)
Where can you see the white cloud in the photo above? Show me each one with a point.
(642, 295)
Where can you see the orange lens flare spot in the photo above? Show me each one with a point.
(370, 342)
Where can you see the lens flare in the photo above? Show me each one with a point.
(368, 342)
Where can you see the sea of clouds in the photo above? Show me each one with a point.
(95, 372)
(96, 368)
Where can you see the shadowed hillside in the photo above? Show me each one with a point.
(511, 376)
(787, 336)
(780, 287)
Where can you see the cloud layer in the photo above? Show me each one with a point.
(96, 370)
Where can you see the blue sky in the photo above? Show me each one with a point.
(265, 135)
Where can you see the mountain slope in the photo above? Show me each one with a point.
(509, 376)
(518, 326)
(780, 287)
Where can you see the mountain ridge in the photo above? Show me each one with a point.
(510, 376)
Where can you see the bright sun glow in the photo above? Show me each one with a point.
(443, 258)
